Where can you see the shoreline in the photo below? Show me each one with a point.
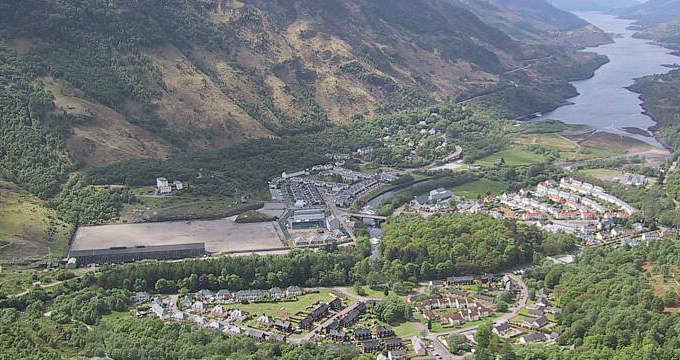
(653, 130)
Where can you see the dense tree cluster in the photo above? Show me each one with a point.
(252, 164)
(30, 154)
(612, 305)
(303, 268)
(150, 339)
(82, 204)
(661, 100)
(441, 245)
(392, 310)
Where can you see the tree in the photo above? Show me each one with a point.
(392, 310)
(165, 286)
(502, 306)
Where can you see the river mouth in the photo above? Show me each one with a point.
(604, 102)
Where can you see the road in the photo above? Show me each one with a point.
(452, 157)
(523, 297)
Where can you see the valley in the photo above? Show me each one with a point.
(342, 179)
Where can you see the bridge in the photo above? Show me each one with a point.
(368, 216)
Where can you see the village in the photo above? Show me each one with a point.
(568, 205)
(454, 305)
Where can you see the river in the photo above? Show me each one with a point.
(604, 102)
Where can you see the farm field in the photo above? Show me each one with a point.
(479, 188)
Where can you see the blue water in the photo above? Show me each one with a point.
(604, 102)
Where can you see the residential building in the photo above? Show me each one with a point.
(218, 310)
(275, 293)
(361, 334)
(369, 346)
(393, 343)
(501, 328)
(338, 335)
(198, 306)
(293, 291)
(283, 326)
(159, 310)
(419, 346)
(255, 334)
(536, 311)
(335, 304)
(383, 331)
(532, 338)
(351, 314)
(538, 322)
(276, 337)
(250, 295)
(397, 354)
(223, 295)
(206, 295)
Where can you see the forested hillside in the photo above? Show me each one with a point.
(146, 77)
(661, 99)
(536, 21)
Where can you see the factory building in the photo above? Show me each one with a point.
(309, 219)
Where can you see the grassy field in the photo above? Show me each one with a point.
(660, 283)
(512, 157)
(553, 141)
(600, 173)
(407, 329)
(149, 206)
(29, 230)
(479, 187)
(279, 309)
(585, 147)
(370, 293)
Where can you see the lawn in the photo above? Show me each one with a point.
(513, 157)
(600, 173)
(479, 188)
(438, 328)
(276, 309)
(407, 329)
(370, 293)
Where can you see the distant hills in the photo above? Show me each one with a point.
(653, 12)
(593, 5)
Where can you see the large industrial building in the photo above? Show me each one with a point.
(120, 254)
(309, 219)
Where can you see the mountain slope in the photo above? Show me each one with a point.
(536, 22)
(653, 11)
(162, 75)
